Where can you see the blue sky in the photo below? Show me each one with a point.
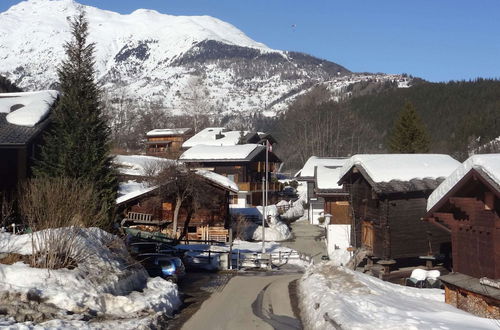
(437, 40)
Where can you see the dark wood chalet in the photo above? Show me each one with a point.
(388, 194)
(467, 205)
(335, 197)
(243, 164)
(19, 143)
(166, 142)
(142, 206)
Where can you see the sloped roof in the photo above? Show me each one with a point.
(215, 136)
(327, 178)
(138, 165)
(392, 173)
(168, 132)
(313, 161)
(240, 152)
(219, 180)
(487, 165)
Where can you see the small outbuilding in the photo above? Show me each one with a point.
(166, 142)
(388, 194)
(467, 204)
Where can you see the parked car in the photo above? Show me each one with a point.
(165, 266)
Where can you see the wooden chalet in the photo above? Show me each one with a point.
(335, 198)
(166, 142)
(307, 177)
(243, 164)
(20, 139)
(388, 194)
(467, 204)
(140, 204)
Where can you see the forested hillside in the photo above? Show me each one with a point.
(458, 116)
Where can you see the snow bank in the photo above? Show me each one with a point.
(402, 167)
(211, 152)
(104, 283)
(276, 230)
(334, 297)
(489, 164)
(34, 106)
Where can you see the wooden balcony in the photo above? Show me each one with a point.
(257, 186)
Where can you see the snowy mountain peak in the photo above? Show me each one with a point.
(172, 61)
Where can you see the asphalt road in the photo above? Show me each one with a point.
(309, 239)
(250, 301)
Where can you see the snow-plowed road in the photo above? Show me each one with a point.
(256, 301)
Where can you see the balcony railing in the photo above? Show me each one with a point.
(257, 186)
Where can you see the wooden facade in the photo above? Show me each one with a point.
(246, 173)
(19, 147)
(470, 212)
(167, 144)
(387, 218)
(161, 210)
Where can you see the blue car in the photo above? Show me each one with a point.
(165, 266)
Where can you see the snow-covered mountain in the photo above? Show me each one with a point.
(179, 62)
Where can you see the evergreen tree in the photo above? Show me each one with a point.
(409, 134)
(77, 145)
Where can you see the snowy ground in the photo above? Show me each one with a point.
(107, 285)
(334, 297)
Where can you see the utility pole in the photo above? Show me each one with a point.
(266, 188)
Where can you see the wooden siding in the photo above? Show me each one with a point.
(398, 231)
(340, 210)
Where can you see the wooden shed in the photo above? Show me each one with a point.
(388, 194)
(335, 197)
(467, 204)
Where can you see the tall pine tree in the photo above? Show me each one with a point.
(78, 144)
(409, 134)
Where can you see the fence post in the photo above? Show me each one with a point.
(279, 257)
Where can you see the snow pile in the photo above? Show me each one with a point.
(210, 152)
(296, 211)
(103, 284)
(488, 164)
(338, 240)
(402, 167)
(31, 107)
(276, 230)
(131, 189)
(168, 131)
(215, 136)
(336, 297)
(314, 161)
(139, 165)
(218, 179)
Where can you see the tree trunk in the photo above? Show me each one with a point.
(186, 223)
(178, 203)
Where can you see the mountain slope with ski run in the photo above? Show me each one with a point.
(177, 62)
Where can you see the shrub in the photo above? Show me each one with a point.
(55, 210)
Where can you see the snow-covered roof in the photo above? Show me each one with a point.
(27, 108)
(214, 153)
(327, 177)
(215, 136)
(219, 180)
(313, 161)
(401, 167)
(487, 164)
(138, 165)
(131, 189)
(168, 131)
